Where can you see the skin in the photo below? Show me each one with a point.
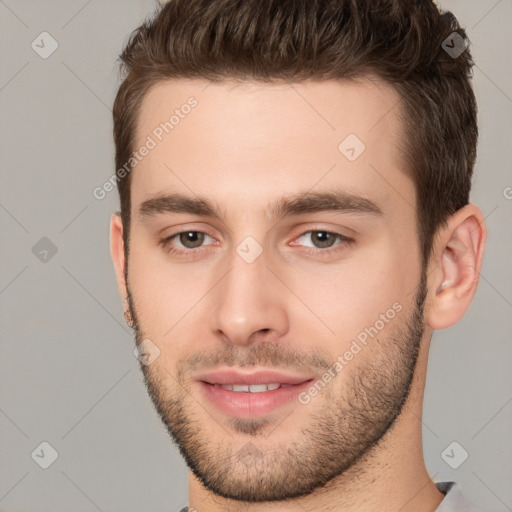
(356, 446)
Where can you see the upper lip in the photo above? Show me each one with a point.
(230, 376)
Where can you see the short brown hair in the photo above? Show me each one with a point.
(399, 41)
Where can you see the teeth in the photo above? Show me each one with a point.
(259, 388)
(253, 388)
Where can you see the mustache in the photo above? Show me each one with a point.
(265, 354)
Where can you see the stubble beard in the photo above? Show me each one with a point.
(345, 423)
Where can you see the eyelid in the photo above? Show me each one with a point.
(321, 226)
(335, 233)
(335, 230)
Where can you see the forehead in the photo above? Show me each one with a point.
(247, 141)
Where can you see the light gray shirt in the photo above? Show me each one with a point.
(453, 501)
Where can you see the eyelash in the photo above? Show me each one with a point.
(191, 253)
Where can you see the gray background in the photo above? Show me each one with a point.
(67, 372)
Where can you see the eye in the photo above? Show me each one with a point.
(189, 241)
(322, 241)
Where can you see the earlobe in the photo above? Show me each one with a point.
(455, 267)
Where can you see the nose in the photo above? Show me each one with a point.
(249, 303)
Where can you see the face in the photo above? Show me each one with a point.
(266, 249)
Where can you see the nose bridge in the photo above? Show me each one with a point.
(248, 299)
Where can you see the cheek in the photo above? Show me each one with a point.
(350, 296)
(163, 293)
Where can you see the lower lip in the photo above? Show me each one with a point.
(243, 404)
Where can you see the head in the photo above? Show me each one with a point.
(340, 118)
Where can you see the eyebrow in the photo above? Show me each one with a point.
(298, 204)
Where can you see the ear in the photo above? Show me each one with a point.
(118, 255)
(454, 268)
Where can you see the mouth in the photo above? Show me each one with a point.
(251, 395)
